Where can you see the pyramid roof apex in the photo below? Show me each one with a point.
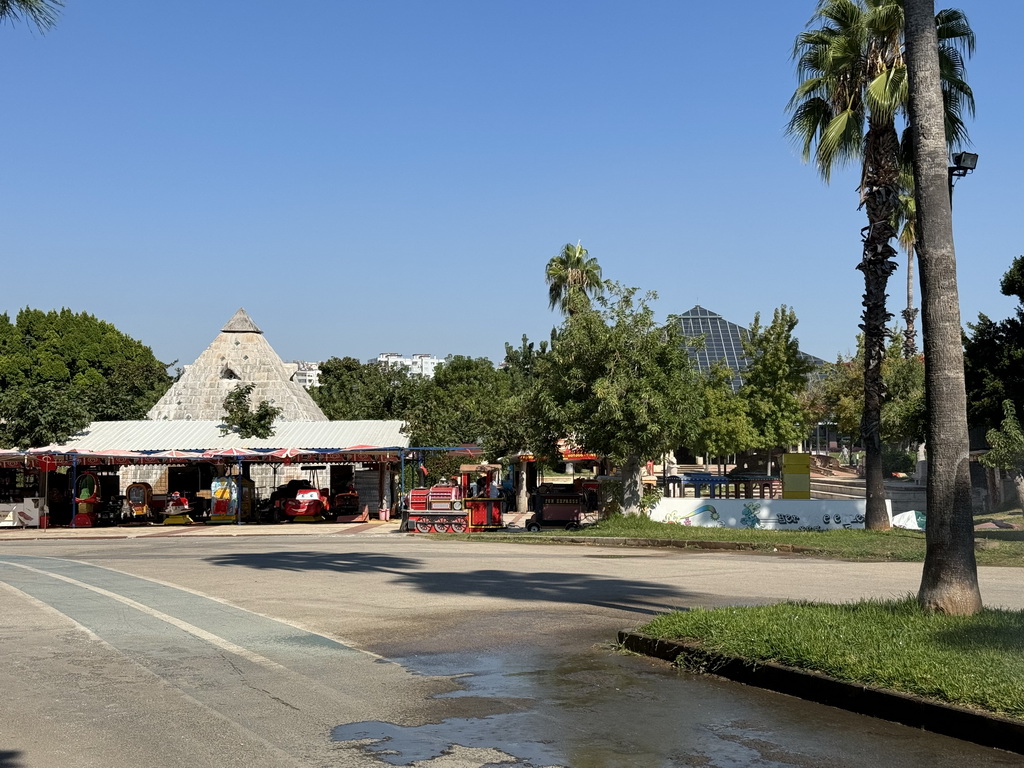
(240, 322)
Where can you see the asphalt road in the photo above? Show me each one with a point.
(325, 650)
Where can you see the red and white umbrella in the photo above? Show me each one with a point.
(175, 454)
(287, 454)
(230, 453)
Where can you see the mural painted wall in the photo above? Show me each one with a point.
(766, 514)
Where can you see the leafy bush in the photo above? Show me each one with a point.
(895, 459)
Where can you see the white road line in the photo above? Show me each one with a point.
(178, 587)
(202, 634)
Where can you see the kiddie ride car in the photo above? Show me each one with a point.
(308, 506)
(458, 507)
(176, 510)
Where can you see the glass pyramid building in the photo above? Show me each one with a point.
(723, 342)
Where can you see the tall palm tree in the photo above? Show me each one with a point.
(42, 13)
(949, 580)
(852, 93)
(573, 277)
(907, 226)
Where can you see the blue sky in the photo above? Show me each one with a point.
(383, 176)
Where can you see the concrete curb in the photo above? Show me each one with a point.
(197, 530)
(620, 541)
(946, 719)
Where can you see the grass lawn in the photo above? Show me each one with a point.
(975, 662)
(999, 547)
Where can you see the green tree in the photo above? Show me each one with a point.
(774, 382)
(61, 370)
(903, 410)
(994, 356)
(572, 277)
(454, 408)
(516, 423)
(725, 426)
(619, 384)
(1007, 449)
(41, 13)
(40, 414)
(852, 93)
(949, 579)
(243, 419)
(352, 390)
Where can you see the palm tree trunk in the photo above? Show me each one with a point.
(910, 313)
(880, 200)
(949, 582)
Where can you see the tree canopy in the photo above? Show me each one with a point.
(725, 426)
(1007, 448)
(573, 276)
(61, 370)
(994, 356)
(352, 390)
(620, 384)
(775, 381)
(903, 410)
(247, 421)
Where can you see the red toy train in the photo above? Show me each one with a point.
(457, 507)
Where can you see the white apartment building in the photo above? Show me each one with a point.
(306, 374)
(421, 364)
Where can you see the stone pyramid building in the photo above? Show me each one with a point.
(239, 355)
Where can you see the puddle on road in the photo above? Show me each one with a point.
(593, 708)
(589, 709)
(496, 677)
(397, 745)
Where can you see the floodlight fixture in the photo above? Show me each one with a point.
(963, 163)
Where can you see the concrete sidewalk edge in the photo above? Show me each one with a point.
(947, 719)
(122, 533)
(621, 541)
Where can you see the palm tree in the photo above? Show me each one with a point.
(906, 223)
(572, 277)
(949, 580)
(42, 13)
(853, 90)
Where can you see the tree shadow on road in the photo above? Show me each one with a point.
(577, 588)
(344, 562)
(574, 588)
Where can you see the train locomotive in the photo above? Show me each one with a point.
(460, 505)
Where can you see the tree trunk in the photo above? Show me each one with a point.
(910, 313)
(994, 479)
(880, 195)
(522, 494)
(632, 485)
(1018, 486)
(949, 582)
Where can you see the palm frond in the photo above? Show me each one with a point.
(840, 142)
(954, 29)
(886, 95)
(42, 13)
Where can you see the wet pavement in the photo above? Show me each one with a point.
(598, 708)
